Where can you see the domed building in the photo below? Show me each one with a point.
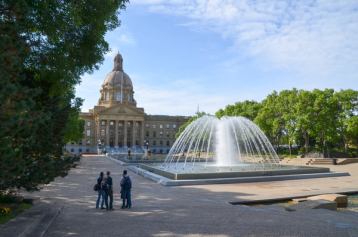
(117, 87)
(117, 123)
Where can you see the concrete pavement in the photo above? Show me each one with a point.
(202, 210)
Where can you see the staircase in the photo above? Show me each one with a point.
(322, 161)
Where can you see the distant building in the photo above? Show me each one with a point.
(117, 123)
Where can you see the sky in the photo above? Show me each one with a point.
(185, 54)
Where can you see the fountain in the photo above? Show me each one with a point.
(225, 142)
(226, 150)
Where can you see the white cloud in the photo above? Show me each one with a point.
(306, 36)
(126, 38)
(177, 97)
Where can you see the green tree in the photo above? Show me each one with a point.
(190, 120)
(270, 118)
(247, 108)
(45, 47)
(347, 117)
(325, 110)
(287, 101)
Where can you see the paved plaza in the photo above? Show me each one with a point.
(202, 210)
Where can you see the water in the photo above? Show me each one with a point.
(226, 142)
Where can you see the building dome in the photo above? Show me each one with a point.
(117, 86)
(117, 79)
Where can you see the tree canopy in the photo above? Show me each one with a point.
(45, 47)
(318, 120)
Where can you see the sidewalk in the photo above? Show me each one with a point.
(189, 210)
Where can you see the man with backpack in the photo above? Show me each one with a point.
(126, 186)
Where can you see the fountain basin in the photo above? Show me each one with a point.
(241, 170)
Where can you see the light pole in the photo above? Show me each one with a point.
(99, 146)
(146, 148)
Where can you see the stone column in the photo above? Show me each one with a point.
(141, 142)
(133, 132)
(125, 133)
(107, 132)
(116, 133)
(97, 125)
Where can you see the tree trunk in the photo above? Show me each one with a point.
(306, 142)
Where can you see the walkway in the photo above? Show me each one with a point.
(192, 210)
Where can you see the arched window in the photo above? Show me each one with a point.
(118, 96)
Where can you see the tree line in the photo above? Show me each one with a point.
(45, 47)
(323, 121)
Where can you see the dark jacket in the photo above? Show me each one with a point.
(99, 181)
(109, 183)
(126, 184)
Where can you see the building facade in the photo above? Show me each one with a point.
(116, 123)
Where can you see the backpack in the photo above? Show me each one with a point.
(96, 187)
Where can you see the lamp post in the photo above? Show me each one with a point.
(99, 147)
(146, 148)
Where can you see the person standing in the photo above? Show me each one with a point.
(104, 190)
(126, 186)
(109, 182)
(99, 190)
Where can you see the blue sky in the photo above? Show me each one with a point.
(184, 53)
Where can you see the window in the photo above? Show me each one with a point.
(111, 123)
(168, 143)
(160, 142)
(168, 126)
(167, 134)
(80, 150)
(103, 122)
(147, 125)
(88, 132)
(160, 134)
(147, 133)
(174, 126)
(72, 150)
(154, 126)
(154, 143)
(88, 142)
(154, 134)
(88, 123)
(118, 96)
(120, 124)
(160, 125)
(102, 132)
(80, 142)
(87, 150)
(160, 151)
